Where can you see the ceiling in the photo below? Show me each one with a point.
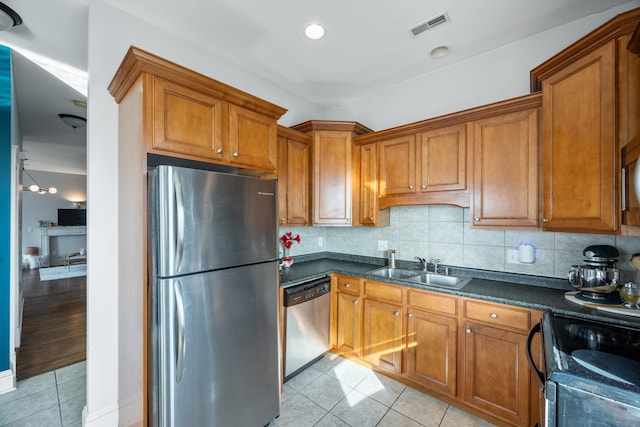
(366, 48)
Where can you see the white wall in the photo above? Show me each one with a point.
(114, 308)
(494, 76)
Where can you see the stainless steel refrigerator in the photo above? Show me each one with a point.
(215, 353)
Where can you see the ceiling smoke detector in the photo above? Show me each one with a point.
(429, 24)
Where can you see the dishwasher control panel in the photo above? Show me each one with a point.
(307, 291)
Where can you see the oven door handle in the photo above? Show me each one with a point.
(535, 330)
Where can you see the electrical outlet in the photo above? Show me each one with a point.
(383, 245)
(512, 256)
(320, 242)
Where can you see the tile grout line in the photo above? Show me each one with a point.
(55, 375)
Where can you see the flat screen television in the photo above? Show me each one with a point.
(69, 217)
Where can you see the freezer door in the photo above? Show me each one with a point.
(204, 220)
(218, 348)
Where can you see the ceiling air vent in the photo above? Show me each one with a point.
(430, 23)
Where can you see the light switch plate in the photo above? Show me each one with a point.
(383, 245)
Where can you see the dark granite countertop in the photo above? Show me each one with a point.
(539, 293)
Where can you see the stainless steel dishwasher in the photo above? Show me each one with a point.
(307, 324)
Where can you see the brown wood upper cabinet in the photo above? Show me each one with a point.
(505, 166)
(332, 169)
(629, 124)
(294, 177)
(585, 104)
(191, 116)
(366, 187)
(423, 163)
(430, 161)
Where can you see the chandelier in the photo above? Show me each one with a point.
(36, 188)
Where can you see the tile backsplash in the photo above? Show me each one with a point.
(444, 232)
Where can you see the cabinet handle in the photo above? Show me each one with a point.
(544, 220)
(424, 187)
(411, 187)
(235, 154)
(468, 331)
(348, 219)
(410, 315)
(347, 285)
(494, 315)
(282, 219)
(219, 151)
(476, 219)
(396, 313)
(355, 301)
(370, 218)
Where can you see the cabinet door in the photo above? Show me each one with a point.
(382, 340)
(630, 203)
(496, 372)
(252, 140)
(368, 185)
(348, 323)
(332, 178)
(186, 122)
(443, 159)
(294, 180)
(432, 345)
(579, 146)
(506, 170)
(397, 166)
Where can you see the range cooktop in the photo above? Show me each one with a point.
(592, 351)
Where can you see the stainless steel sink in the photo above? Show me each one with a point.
(433, 279)
(393, 273)
(451, 282)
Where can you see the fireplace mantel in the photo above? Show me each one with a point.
(47, 232)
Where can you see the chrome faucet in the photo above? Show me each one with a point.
(436, 267)
(423, 263)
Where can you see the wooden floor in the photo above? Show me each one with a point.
(53, 325)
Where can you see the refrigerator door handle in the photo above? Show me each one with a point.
(181, 341)
(177, 185)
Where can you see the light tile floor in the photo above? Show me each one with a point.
(53, 399)
(337, 392)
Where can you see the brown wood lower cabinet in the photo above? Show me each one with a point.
(467, 351)
(348, 320)
(382, 337)
(432, 350)
(496, 372)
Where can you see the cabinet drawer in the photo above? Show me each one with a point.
(348, 284)
(437, 303)
(384, 292)
(498, 315)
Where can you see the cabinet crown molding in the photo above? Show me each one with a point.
(622, 24)
(138, 61)
(335, 125)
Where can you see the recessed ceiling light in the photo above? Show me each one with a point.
(439, 52)
(314, 31)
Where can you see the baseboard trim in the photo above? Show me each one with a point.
(131, 411)
(107, 417)
(7, 381)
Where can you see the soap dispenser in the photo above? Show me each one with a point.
(392, 258)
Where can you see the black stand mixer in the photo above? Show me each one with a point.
(598, 277)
